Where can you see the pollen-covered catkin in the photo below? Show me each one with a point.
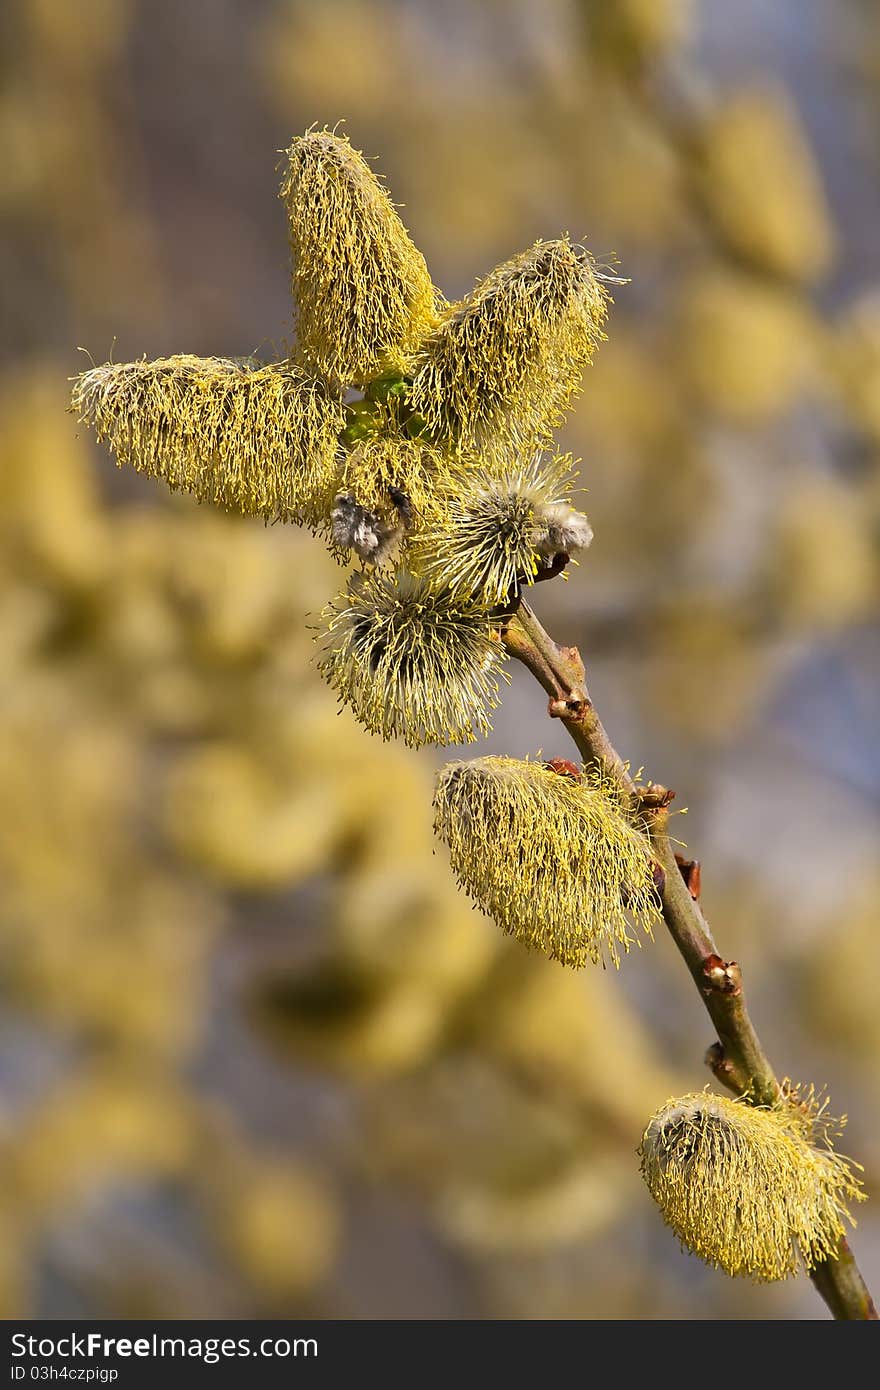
(259, 440)
(553, 859)
(412, 662)
(356, 528)
(364, 298)
(496, 530)
(504, 362)
(394, 485)
(747, 1188)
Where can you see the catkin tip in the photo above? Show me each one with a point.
(364, 298)
(255, 439)
(505, 362)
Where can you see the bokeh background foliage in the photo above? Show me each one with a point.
(257, 1056)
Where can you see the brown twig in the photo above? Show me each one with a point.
(737, 1059)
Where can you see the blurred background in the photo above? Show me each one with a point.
(257, 1056)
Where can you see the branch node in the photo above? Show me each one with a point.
(691, 872)
(723, 976)
(555, 566)
(573, 656)
(566, 708)
(718, 1063)
(654, 797)
(565, 768)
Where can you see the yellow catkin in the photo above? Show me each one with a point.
(492, 531)
(411, 662)
(373, 468)
(258, 440)
(505, 362)
(363, 293)
(554, 860)
(747, 1188)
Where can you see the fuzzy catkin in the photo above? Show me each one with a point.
(505, 362)
(372, 538)
(746, 1188)
(260, 440)
(495, 530)
(364, 298)
(554, 860)
(411, 662)
(380, 473)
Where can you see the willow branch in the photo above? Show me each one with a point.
(737, 1059)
